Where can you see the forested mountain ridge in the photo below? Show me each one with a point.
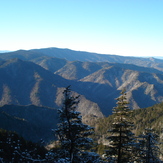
(31, 122)
(150, 117)
(35, 123)
(144, 118)
(25, 83)
(72, 55)
(32, 83)
(39, 80)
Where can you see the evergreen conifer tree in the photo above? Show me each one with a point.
(121, 141)
(71, 132)
(148, 147)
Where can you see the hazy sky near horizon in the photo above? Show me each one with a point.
(121, 27)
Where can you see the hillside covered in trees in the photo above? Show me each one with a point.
(151, 117)
(31, 102)
(145, 123)
(38, 76)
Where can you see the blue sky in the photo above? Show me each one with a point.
(122, 27)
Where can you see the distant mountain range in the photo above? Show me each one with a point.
(38, 77)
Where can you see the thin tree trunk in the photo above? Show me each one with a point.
(120, 146)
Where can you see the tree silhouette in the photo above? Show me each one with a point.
(71, 132)
(148, 147)
(121, 141)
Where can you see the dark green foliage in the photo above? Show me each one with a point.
(151, 117)
(14, 148)
(71, 132)
(121, 140)
(148, 150)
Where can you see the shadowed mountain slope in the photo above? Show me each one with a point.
(76, 70)
(31, 122)
(40, 80)
(72, 55)
(103, 86)
(50, 63)
(25, 83)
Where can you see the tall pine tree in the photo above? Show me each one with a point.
(121, 141)
(148, 147)
(71, 132)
